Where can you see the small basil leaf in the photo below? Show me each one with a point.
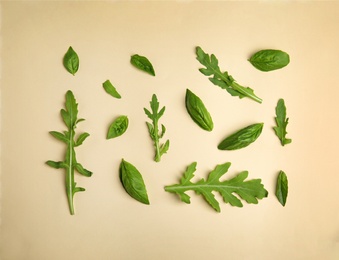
(143, 64)
(110, 89)
(71, 61)
(198, 112)
(133, 182)
(241, 138)
(267, 60)
(282, 188)
(118, 127)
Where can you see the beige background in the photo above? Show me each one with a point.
(35, 221)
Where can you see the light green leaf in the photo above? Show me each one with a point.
(143, 64)
(118, 127)
(81, 139)
(82, 170)
(281, 190)
(110, 89)
(71, 61)
(59, 136)
(268, 60)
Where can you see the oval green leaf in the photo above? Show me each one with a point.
(242, 138)
(71, 61)
(133, 182)
(197, 111)
(110, 89)
(118, 127)
(281, 190)
(267, 60)
(143, 64)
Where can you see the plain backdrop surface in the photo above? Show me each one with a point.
(108, 224)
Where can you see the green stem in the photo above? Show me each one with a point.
(156, 141)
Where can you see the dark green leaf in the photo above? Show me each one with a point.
(250, 191)
(71, 61)
(242, 138)
(143, 64)
(197, 111)
(110, 89)
(133, 182)
(267, 60)
(281, 190)
(281, 122)
(118, 127)
(56, 165)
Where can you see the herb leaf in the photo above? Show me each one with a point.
(242, 138)
(267, 60)
(198, 112)
(223, 79)
(153, 128)
(118, 127)
(250, 191)
(71, 61)
(281, 190)
(110, 89)
(133, 182)
(143, 64)
(70, 163)
(281, 121)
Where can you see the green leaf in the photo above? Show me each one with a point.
(82, 170)
(197, 111)
(71, 61)
(110, 89)
(281, 122)
(143, 64)
(281, 190)
(268, 60)
(133, 182)
(56, 165)
(118, 127)
(81, 139)
(250, 191)
(71, 110)
(222, 79)
(153, 128)
(242, 137)
(59, 136)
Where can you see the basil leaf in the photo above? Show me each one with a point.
(143, 64)
(241, 138)
(71, 61)
(118, 127)
(133, 182)
(282, 188)
(198, 112)
(110, 89)
(267, 60)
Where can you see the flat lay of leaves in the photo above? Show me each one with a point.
(71, 61)
(118, 127)
(281, 123)
(70, 164)
(242, 137)
(153, 128)
(197, 111)
(142, 63)
(223, 79)
(250, 191)
(268, 60)
(281, 190)
(132, 181)
(110, 89)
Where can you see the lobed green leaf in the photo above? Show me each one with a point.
(118, 127)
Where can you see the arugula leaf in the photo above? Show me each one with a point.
(197, 111)
(250, 191)
(267, 60)
(153, 128)
(143, 64)
(133, 182)
(71, 61)
(110, 89)
(223, 79)
(281, 190)
(118, 127)
(242, 138)
(70, 163)
(281, 121)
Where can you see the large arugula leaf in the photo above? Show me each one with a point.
(223, 79)
(281, 121)
(250, 190)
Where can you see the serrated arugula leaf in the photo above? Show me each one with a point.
(222, 79)
(250, 191)
(70, 164)
(153, 128)
(281, 123)
(118, 127)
